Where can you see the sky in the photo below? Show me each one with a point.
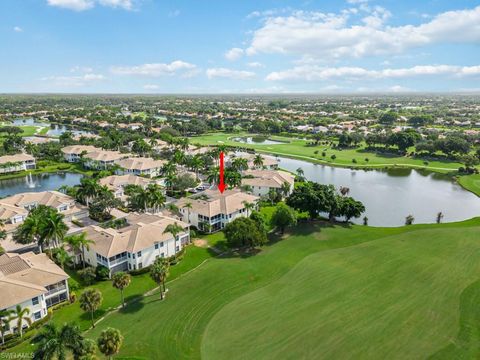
(242, 46)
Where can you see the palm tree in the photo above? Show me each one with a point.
(248, 207)
(173, 229)
(21, 315)
(213, 175)
(90, 301)
(120, 281)
(159, 272)
(88, 189)
(29, 231)
(62, 257)
(188, 206)
(239, 164)
(258, 161)
(155, 197)
(285, 189)
(109, 342)
(5, 317)
(55, 342)
(300, 174)
(54, 228)
(79, 241)
(196, 163)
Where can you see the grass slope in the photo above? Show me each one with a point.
(471, 183)
(323, 292)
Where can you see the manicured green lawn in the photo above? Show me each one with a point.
(297, 148)
(139, 285)
(471, 182)
(323, 292)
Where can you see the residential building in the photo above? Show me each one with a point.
(14, 209)
(117, 183)
(262, 181)
(74, 153)
(103, 159)
(211, 210)
(17, 162)
(140, 166)
(31, 281)
(135, 245)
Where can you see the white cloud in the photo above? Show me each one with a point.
(318, 73)
(82, 5)
(81, 69)
(74, 81)
(234, 54)
(77, 5)
(399, 88)
(322, 35)
(151, 87)
(17, 29)
(229, 73)
(155, 69)
(255, 64)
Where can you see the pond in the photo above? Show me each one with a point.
(257, 140)
(57, 130)
(28, 122)
(38, 182)
(391, 195)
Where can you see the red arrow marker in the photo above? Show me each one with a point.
(222, 186)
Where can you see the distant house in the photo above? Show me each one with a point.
(140, 166)
(269, 162)
(74, 153)
(18, 162)
(136, 245)
(14, 209)
(262, 181)
(211, 210)
(102, 159)
(32, 281)
(117, 183)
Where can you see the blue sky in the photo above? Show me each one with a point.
(159, 46)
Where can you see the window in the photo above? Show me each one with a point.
(129, 255)
(162, 255)
(133, 255)
(156, 246)
(35, 301)
(161, 244)
(177, 248)
(140, 265)
(139, 254)
(37, 315)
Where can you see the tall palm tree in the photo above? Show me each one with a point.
(300, 174)
(21, 315)
(285, 189)
(196, 163)
(79, 242)
(5, 317)
(87, 190)
(54, 229)
(90, 301)
(173, 229)
(56, 342)
(239, 164)
(155, 197)
(159, 273)
(249, 207)
(109, 342)
(120, 281)
(213, 175)
(62, 257)
(29, 231)
(258, 161)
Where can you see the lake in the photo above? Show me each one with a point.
(257, 140)
(28, 122)
(391, 195)
(38, 182)
(57, 130)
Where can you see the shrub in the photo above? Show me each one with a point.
(333, 157)
(73, 284)
(354, 161)
(88, 275)
(102, 273)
